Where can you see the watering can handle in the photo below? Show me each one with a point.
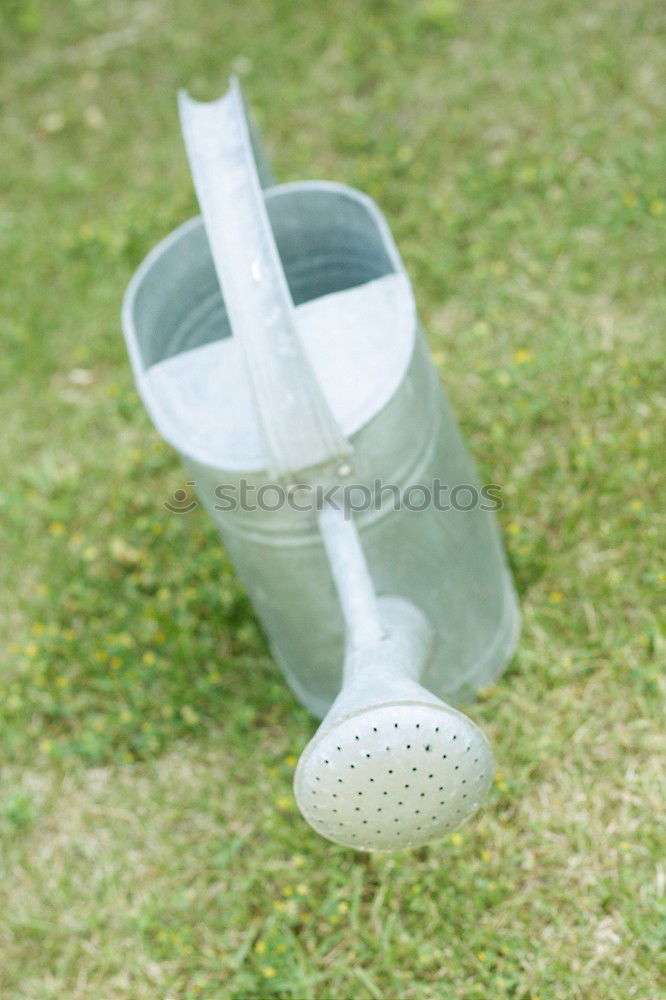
(297, 425)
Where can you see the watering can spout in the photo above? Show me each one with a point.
(391, 765)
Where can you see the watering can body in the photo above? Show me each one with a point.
(428, 532)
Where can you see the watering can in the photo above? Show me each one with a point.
(276, 345)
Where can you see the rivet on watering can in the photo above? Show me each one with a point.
(271, 338)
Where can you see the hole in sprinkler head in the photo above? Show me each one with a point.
(455, 736)
(395, 725)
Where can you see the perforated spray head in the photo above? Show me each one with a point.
(391, 765)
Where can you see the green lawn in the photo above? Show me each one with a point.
(150, 846)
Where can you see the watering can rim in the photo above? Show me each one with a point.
(408, 316)
(275, 191)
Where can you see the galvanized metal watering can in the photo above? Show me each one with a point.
(276, 346)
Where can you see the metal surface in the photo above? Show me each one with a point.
(374, 616)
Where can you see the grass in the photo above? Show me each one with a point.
(519, 153)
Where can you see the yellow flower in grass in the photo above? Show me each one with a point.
(456, 839)
(555, 596)
(56, 528)
(269, 972)
(260, 947)
(522, 356)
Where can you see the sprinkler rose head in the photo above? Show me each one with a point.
(391, 765)
(393, 775)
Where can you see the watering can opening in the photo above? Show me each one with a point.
(352, 300)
